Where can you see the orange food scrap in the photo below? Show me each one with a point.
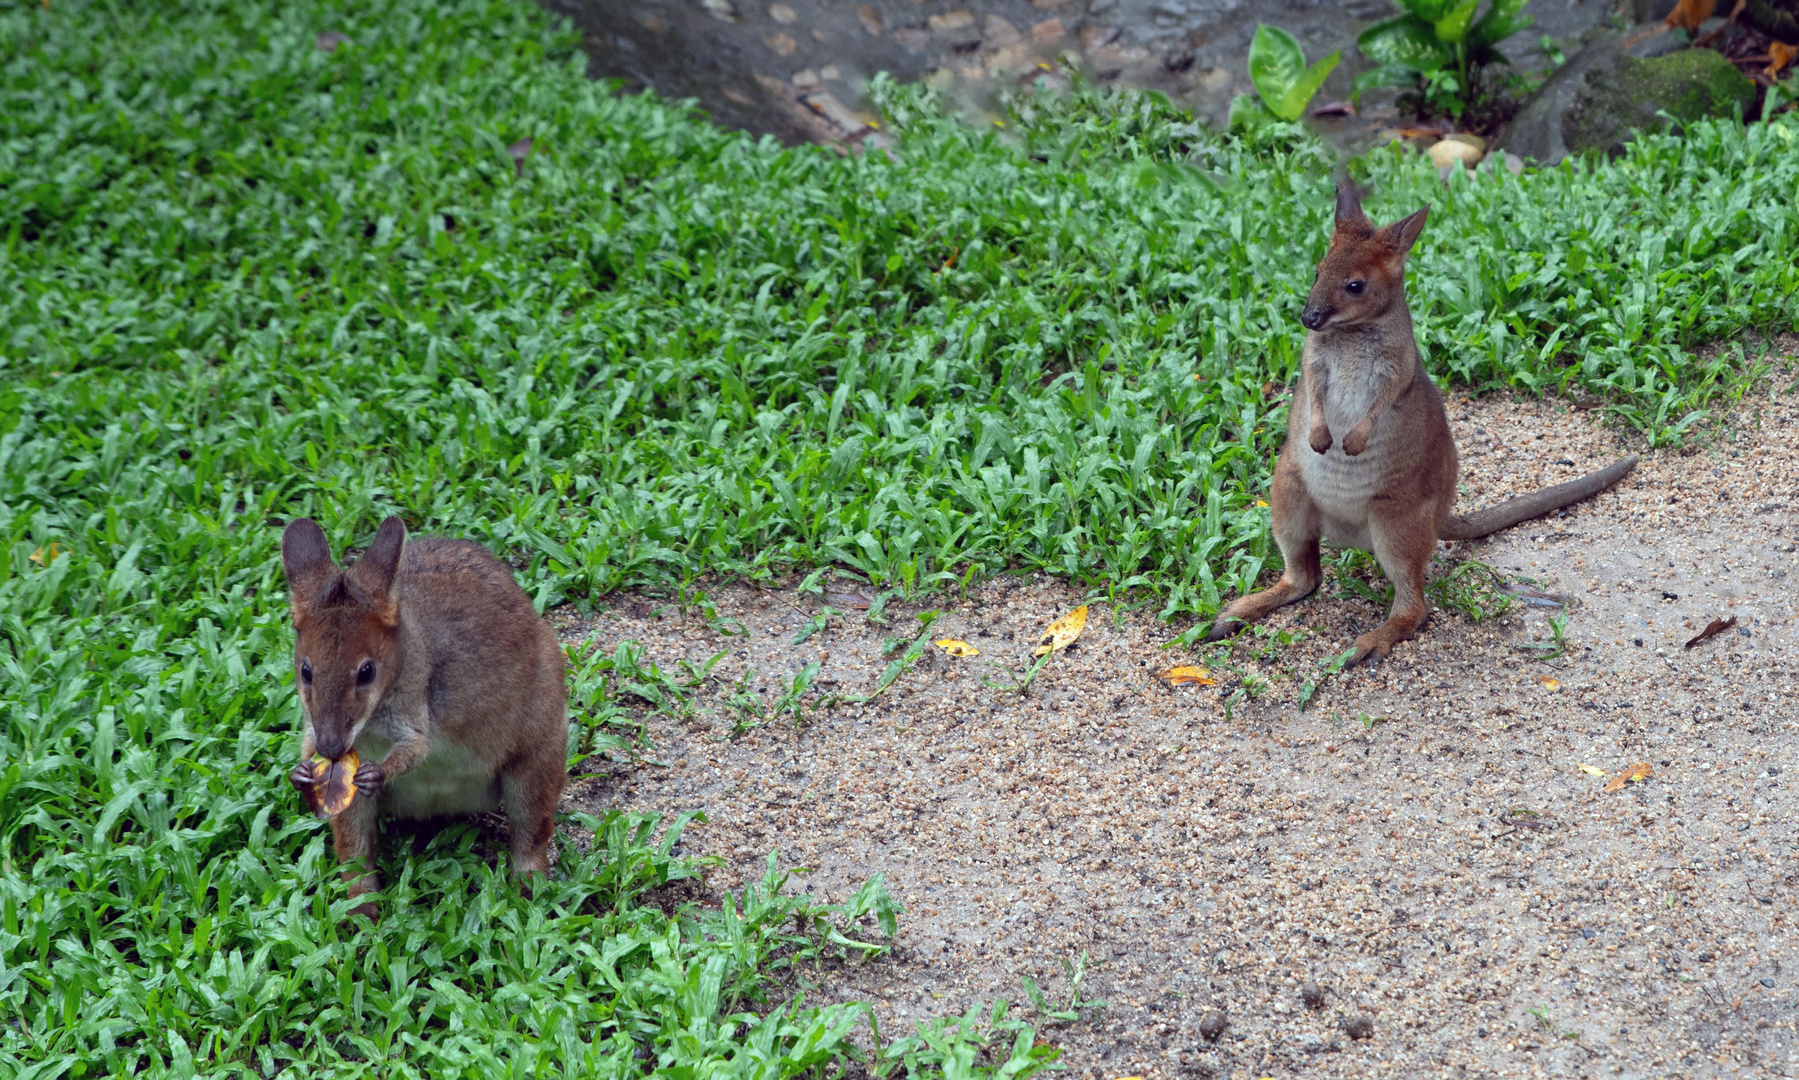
(334, 784)
(1181, 676)
(1640, 771)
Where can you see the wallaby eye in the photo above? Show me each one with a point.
(306, 672)
(1354, 287)
(366, 673)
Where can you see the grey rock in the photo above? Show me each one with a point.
(1618, 84)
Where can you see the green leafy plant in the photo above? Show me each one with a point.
(1470, 588)
(1075, 971)
(1284, 84)
(906, 659)
(986, 1043)
(1326, 670)
(1438, 49)
(1556, 646)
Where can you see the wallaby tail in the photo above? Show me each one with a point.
(1536, 504)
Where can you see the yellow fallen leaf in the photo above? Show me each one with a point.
(1642, 770)
(958, 648)
(1590, 771)
(1181, 676)
(1262, 504)
(1549, 684)
(46, 556)
(1062, 632)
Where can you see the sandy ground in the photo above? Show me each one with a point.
(1420, 842)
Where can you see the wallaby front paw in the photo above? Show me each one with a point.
(302, 777)
(1355, 442)
(1320, 438)
(369, 777)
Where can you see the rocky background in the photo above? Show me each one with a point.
(796, 69)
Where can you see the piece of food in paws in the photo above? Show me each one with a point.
(333, 786)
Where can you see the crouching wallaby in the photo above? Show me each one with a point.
(1369, 461)
(425, 660)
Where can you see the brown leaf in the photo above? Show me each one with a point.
(334, 784)
(1688, 14)
(848, 600)
(1780, 56)
(1334, 108)
(1061, 633)
(1712, 629)
(1642, 770)
(520, 151)
(1181, 676)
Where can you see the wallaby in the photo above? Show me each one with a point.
(1369, 461)
(428, 659)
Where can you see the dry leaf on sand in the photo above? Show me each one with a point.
(1181, 676)
(1549, 684)
(958, 648)
(1640, 771)
(1715, 627)
(334, 784)
(1591, 771)
(1062, 632)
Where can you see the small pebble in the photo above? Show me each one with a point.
(1312, 994)
(1358, 1027)
(1213, 1026)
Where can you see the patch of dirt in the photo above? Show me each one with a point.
(1421, 842)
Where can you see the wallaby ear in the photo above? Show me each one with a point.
(1402, 234)
(306, 557)
(378, 567)
(1350, 217)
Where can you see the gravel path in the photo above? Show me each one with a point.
(1420, 842)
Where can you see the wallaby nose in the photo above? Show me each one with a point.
(331, 747)
(1312, 318)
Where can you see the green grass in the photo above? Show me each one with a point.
(244, 280)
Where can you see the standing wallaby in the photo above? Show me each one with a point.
(427, 659)
(1369, 461)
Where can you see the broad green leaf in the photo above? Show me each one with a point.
(1249, 112)
(1428, 10)
(1405, 41)
(1453, 26)
(1385, 75)
(1501, 21)
(1276, 62)
(1293, 103)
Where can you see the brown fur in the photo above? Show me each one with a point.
(465, 708)
(1369, 460)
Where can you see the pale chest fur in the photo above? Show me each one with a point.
(452, 779)
(1343, 486)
